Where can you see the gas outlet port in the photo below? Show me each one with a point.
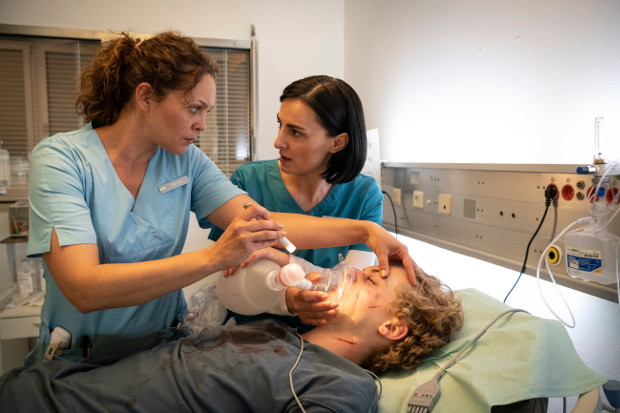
(554, 255)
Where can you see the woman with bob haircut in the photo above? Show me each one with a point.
(322, 143)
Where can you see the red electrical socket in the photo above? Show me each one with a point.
(568, 192)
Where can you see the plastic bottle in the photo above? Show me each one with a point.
(39, 274)
(591, 252)
(5, 171)
(256, 288)
(25, 277)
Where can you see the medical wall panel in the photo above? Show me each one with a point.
(491, 211)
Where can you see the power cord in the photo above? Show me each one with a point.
(551, 194)
(394, 211)
(555, 218)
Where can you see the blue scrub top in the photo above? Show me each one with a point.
(75, 190)
(360, 199)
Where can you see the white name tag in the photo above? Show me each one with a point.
(169, 186)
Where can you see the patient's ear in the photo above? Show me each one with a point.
(394, 329)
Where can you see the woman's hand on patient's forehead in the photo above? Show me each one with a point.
(387, 248)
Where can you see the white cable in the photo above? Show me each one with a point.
(374, 376)
(544, 256)
(473, 340)
(616, 197)
(618, 272)
(615, 213)
(290, 373)
(594, 194)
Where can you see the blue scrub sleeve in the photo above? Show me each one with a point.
(57, 199)
(210, 188)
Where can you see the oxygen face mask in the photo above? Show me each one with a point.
(336, 281)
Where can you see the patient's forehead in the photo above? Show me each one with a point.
(397, 271)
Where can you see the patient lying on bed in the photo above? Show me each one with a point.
(387, 324)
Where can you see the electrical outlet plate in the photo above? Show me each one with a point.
(444, 204)
(396, 195)
(418, 199)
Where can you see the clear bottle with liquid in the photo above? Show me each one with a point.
(592, 251)
(25, 278)
(5, 171)
(39, 274)
(256, 288)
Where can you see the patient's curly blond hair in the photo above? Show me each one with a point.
(433, 315)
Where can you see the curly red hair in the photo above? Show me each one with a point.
(167, 61)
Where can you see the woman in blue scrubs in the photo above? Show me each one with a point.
(322, 144)
(110, 204)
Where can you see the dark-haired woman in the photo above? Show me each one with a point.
(322, 143)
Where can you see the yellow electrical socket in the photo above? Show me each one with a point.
(554, 255)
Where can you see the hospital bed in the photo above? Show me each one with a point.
(519, 363)
(515, 367)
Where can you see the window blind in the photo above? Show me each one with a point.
(226, 139)
(13, 115)
(62, 70)
(37, 79)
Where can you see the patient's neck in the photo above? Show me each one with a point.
(350, 346)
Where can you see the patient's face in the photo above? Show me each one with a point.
(371, 294)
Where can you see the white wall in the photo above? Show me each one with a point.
(506, 81)
(295, 38)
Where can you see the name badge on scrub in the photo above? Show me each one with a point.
(169, 186)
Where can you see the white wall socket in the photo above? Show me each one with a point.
(396, 196)
(444, 204)
(418, 199)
